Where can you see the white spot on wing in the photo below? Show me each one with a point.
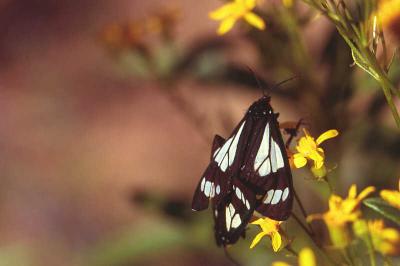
(277, 196)
(236, 221)
(247, 205)
(218, 189)
(203, 181)
(212, 190)
(285, 194)
(207, 188)
(227, 218)
(232, 209)
(268, 199)
(238, 193)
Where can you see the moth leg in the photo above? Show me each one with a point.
(291, 129)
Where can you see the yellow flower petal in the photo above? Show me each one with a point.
(222, 12)
(317, 158)
(307, 257)
(365, 193)
(280, 263)
(299, 160)
(226, 25)
(391, 235)
(257, 239)
(287, 3)
(250, 4)
(255, 20)
(352, 192)
(276, 241)
(392, 197)
(327, 135)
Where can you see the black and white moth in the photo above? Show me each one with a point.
(248, 172)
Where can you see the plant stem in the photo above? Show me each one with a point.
(306, 230)
(303, 211)
(291, 251)
(311, 236)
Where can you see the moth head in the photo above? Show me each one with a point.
(261, 107)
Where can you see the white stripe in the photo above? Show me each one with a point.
(285, 194)
(277, 196)
(203, 181)
(270, 193)
(278, 154)
(247, 205)
(233, 148)
(216, 151)
(225, 157)
(263, 150)
(274, 165)
(265, 169)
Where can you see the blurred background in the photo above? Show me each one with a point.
(108, 110)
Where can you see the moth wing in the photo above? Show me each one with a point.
(206, 184)
(233, 213)
(225, 162)
(267, 168)
(278, 199)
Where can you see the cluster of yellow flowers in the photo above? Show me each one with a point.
(342, 213)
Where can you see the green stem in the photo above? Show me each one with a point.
(292, 251)
(387, 87)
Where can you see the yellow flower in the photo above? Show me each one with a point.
(341, 213)
(392, 197)
(306, 258)
(308, 148)
(287, 3)
(389, 14)
(271, 228)
(385, 240)
(233, 11)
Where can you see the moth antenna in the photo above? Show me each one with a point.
(284, 81)
(257, 80)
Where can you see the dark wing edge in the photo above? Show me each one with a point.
(278, 200)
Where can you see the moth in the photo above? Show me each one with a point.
(247, 172)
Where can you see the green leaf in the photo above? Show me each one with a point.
(363, 64)
(382, 207)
